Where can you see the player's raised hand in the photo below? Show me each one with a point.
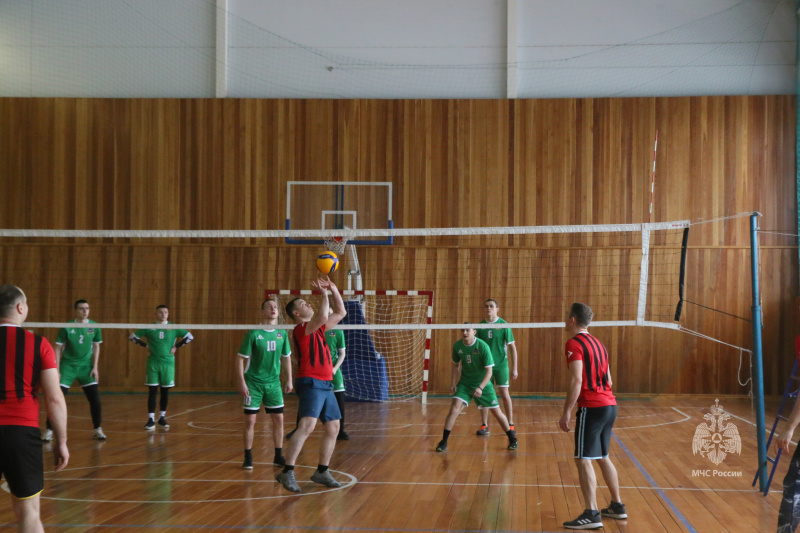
(317, 285)
(331, 285)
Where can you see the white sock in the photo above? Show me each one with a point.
(152, 416)
(163, 414)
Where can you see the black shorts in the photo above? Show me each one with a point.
(21, 461)
(593, 427)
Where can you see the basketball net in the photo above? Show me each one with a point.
(335, 244)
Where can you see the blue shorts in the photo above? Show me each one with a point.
(317, 399)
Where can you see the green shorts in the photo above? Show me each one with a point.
(160, 372)
(488, 399)
(338, 381)
(72, 371)
(500, 374)
(269, 394)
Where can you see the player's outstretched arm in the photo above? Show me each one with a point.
(321, 315)
(339, 311)
(56, 407)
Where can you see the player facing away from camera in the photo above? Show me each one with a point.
(501, 344)
(470, 380)
(77, 353)
(590, 388)
(262, 354)
(314, 383)
(163, 344)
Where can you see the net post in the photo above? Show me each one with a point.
(426, 366)
(758, 374)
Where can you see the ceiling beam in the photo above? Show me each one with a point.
(511, 49)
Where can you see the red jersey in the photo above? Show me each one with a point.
(25, 355)
(313, 354)
(595, 388)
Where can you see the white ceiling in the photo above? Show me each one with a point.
(396, 48)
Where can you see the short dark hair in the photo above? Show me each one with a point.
(10, 295)
(583, 314)
(265, 302)
(290, 308)
(79, 302)
(162, 306)
(492, 300)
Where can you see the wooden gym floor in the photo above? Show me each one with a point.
(189, 478)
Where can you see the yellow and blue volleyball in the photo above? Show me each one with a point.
(327, 262)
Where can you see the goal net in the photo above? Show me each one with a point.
(379, 364)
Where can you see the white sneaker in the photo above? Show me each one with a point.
(98, 434)
(47, 436)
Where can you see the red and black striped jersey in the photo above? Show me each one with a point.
(313, 354)
(595, 389)
(25, 355)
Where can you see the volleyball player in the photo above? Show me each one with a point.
(262, 354)
(501, 344)
(470, 380)
(163, 343)
(29, 364)
(314, 382)
(336, 344)
(597, 409)
(77, 353)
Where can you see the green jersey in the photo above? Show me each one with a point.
(78, 341)
(263, 350)
(161, 341)
(335, 339)
(497, 339)
(474, 359)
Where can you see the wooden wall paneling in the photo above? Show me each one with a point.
(213, 164)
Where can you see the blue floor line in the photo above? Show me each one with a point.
(655, 486)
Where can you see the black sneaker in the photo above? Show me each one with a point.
(151, 425)
(342, 436)
(587, 520)
(442, 446)
(483, 431)
(279, 461)
(162, 422)
(248, 463)
(512, 443)
(615, 510)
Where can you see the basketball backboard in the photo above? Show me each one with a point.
(332, 205)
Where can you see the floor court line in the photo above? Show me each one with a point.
(658, 489)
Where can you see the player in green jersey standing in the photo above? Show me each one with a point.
(77, 353)
(501, 344)
(160, 363)
(472, 371)
(262, 354)
(335, 340)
